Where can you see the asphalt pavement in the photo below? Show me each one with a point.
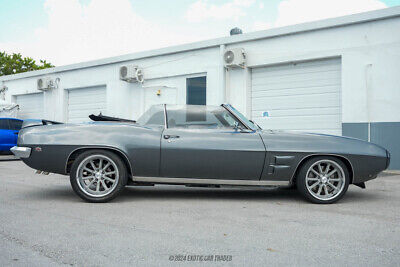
(42, 222)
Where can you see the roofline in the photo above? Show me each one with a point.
(364, 17)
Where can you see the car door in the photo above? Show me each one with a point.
(15, 127)
(209, 151)
(6, 135)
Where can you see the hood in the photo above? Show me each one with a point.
(321, 143)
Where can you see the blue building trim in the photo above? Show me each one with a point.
(386, 134)
(356, 130)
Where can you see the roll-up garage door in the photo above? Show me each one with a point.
(300, 97)
(30, 106)
(85, 101)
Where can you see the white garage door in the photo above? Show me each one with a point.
(30, 106)
(300, 97)
(85, 101)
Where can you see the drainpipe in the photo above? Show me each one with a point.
(222, 73)
(3, 90)
(368, 78)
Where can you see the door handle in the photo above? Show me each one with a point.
(167, 136)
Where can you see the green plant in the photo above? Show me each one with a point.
(15, 63)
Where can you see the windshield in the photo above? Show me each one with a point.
(196, 116)
(248, 122)
(200, 117)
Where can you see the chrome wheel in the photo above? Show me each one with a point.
(97, 175)
(325, 179)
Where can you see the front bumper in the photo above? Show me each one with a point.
(21, 152)
(387, 159)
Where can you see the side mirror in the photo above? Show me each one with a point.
(239, 128)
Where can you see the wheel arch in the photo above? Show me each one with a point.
(76, 152)
(345, 160)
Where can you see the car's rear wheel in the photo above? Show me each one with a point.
(323, 180)
(98, 175)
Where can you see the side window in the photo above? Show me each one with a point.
(153, 116)
(4, 124)
(15, 125)
(200, 117)
(156, 119)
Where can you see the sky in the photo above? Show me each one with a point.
(71, 31)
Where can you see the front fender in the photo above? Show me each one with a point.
(286, 151)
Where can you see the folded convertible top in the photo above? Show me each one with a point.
(35, 122)
(101, 117)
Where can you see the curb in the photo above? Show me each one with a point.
(395, 172)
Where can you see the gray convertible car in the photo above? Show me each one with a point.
(196, 146)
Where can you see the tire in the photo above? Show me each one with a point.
(98, 175)
(323, 179)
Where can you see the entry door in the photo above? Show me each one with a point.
(196, 91)
(211, 153)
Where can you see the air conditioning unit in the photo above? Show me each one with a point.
(45, 84)
(235, 58)
(131, 74)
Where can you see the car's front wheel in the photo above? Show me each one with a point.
(323, 180)
(98, 175)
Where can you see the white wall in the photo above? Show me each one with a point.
(370, 54)
(129, 100)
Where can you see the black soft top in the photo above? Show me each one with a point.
(101, 117)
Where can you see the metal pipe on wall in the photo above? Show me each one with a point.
(222, 73)
(368, 77)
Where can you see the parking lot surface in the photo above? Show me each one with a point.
(42, 222)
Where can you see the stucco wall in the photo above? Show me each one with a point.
(369, 52)
(127, 99)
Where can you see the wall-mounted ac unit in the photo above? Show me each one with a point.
(131, 74)
(235, 58)
(45, 84)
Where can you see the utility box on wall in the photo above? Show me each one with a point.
(159, 95)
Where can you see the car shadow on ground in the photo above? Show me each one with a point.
(65, 193)
(190, 193)
(132, 194)
(248, 194)
(355, 194)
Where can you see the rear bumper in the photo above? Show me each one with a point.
(21, 152)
